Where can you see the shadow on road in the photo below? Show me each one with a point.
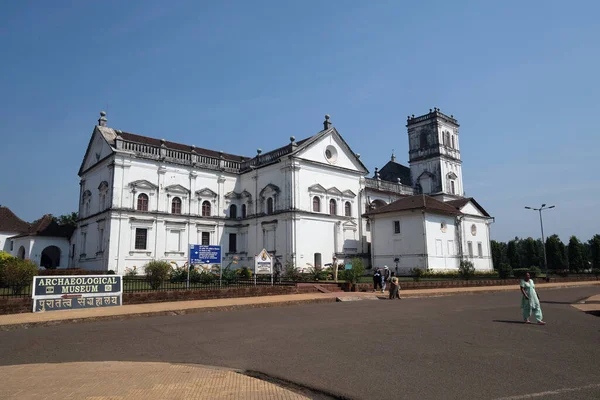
(558, 302)
(508, 321)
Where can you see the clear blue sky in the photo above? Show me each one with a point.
(521, 77)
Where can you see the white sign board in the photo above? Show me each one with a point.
(263, 263)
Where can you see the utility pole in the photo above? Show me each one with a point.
(543, 207)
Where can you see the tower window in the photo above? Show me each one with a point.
(270, 207)
(233, 211)
(423, 138)
(452, 187)
(243, 211)
(348, 209)
(453, 146)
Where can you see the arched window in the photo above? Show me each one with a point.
(447, 141)
(453, 142)
(270, 205)
(142, 202)
(233, 211)
(316, 204)
(206, 208)
(332, 207)
(348, 209)
(423, 138)
(176, 205)
(243, 211)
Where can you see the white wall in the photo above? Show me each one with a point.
(4, 243)
(482, 236)
(408, 245)
(35, 245)
(442, 247)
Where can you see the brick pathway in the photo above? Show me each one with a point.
(131, 380)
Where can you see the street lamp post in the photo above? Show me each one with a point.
(543, 207)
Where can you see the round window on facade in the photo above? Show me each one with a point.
(473, 230)
(443, 227)
(331, 154)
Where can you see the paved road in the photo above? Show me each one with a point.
(457, 347)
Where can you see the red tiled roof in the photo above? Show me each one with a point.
(9, 222)
(47, 226)
(460, 203)
(419, 202)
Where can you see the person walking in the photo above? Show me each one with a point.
(385, 277)
(394, 287)
(530, 301)
(376, 280)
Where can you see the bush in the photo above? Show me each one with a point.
(596, 272)
(319, 274)
(417, 273)
(466, 269)
(5, 258)
(356, 272)
(157, 272)
(290, 272)
(245, 273)
(505, 271)
(19, 274)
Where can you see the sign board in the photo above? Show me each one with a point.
(348, 266)
(205, 254)
(263, 263)
(70, 292)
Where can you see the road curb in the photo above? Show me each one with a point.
(198, 310)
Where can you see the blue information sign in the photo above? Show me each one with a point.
(205, 254)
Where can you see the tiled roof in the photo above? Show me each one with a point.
(131, 137)
(9, 222)
(419, 202)
(47, 226)
(460, 203)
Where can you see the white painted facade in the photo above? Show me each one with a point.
(5, 245)
(304, 202)
(431, 240)
(31, 247)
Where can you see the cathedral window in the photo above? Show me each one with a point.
(176, 205)
(142, 202)
(332, 207)
(141, 237)
(452, 187)
(233, 211)
(243, 211)
(316, 204)
(206, 208)
(396, 226)
(348, 209)
(453, 142)
(447, 139)
(270, 207)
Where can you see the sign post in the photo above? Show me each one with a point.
(70, 292)
(205, 255)
(263, 264)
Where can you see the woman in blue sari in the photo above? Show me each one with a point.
(530, 301)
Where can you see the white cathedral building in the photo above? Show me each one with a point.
(309, 202)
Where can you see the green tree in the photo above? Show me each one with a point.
(67, 219)
(499, 253)
(576, 258)
(530, 253)
(556, 253)
(594, 244)
(513, 254)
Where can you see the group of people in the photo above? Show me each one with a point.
(530, 301)
(381, 278)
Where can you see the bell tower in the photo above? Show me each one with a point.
(434, 154)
